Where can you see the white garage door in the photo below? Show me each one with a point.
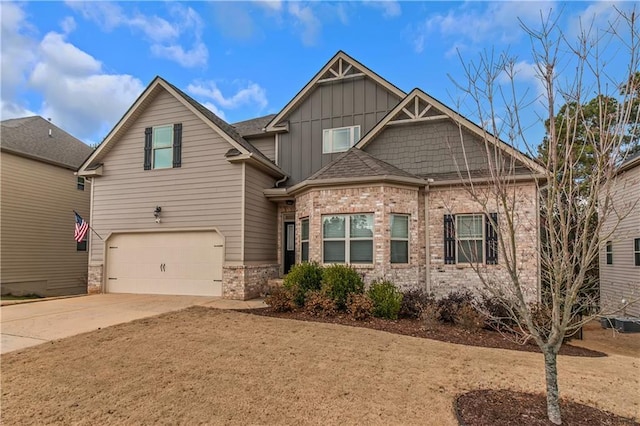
(188, 263)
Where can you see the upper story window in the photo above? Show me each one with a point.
(636, 251)
(609, 253)
(80, 183)
(163, 147)
(339, 139)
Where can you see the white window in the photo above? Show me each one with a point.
(399, 238)
(162, 147)
(347, 238)
(470, 238)
(304, 240)
(339, 139)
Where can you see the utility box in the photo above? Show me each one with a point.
(628, 325)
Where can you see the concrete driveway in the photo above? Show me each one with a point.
(29, 324)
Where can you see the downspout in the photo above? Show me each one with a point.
(278, 182)
(427, 251)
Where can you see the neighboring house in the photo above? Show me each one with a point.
(352, 170)
(40, 191)
(620, 242)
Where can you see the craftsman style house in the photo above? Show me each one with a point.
(39, 193)
(352, 170)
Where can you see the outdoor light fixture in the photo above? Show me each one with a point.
(156, 213)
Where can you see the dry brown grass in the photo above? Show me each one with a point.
(203, 365)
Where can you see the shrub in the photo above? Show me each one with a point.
(359, 306)
(386, 298)
(317, 303)
(302, 278)
(448, 307)
(414, 302)
(340, 280)
(281, 300)
(469, 318)
(498, 316)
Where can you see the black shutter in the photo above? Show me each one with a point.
(177, 145)
(491, 244)
(449, 240)
(148, 140)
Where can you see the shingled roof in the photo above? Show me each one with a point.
(254, 126)
(356, 163)
(30, 137)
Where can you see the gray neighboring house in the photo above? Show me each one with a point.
(352, 170)
(39, 193)
(620, 242)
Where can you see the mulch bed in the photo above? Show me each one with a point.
(437, 331)
(505, 407)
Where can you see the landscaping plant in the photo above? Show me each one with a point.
(281, 299)
(359, 306)
(317, 303)
(413, 303)
(338, 281)
(302, 278)
(387, 299)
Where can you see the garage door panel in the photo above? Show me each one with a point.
(188, 263)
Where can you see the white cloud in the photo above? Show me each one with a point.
(167, 38)
(475, 22)
(389, 8)
(275, 5)
(251, 94)
(68, 24)
(308, 22)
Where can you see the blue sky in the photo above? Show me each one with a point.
(82, 64)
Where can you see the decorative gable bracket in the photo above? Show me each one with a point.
(340, 70)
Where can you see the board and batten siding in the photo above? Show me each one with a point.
(344, 103)
(621, 280)
(266, 145)
(261, 224)
(206, 191)
(38, 249)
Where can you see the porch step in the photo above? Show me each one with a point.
(275, 282)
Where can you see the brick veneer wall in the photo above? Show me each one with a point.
(382, 200)
(447, 278)
(244, 282)
(94, 281)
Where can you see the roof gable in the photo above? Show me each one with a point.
(419, 107)
(339, 68)
(39, 139)
(244, 148)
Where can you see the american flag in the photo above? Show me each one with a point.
(81, 228)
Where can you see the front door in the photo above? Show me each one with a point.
(289, 245)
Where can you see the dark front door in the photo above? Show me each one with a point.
(289, 245)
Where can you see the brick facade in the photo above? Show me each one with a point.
(94, 282)
(244, 282)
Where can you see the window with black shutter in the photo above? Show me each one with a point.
(491, 239)
(163, 147)
(466, 240)
(449, 240)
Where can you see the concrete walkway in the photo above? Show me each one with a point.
(29, 324)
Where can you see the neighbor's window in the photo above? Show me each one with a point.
(609, 251)
(399, 238)
(80, 183)
(304, 240)
(470, 238)
(347, 238)
(162, 147)
(636, 251)
(339, 139)
(82, 245)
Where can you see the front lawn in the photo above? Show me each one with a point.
(204, 365)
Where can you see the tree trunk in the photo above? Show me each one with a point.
(553, 397)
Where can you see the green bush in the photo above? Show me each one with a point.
(317, 303)
(359, 306)
(302, 278)
(386, 298)
(281, 300)
(340, 280)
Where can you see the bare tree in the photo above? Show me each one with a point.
(572, 209)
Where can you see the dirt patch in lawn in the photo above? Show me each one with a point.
(431, 330)
(506, 408)
(204, 365)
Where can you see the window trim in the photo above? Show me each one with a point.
(154, 149)
(330, 132)
(304, 241)
(609, 253)
(636, 251)
(483, 239)
(347, 238)
(80, 183)
(392, 239)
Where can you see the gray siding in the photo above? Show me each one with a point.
(621, 280)
(352, 102)
(261, 225)
(266, 145)
(205, 192)
(36, 208)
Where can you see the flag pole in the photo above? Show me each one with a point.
(94, 231)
